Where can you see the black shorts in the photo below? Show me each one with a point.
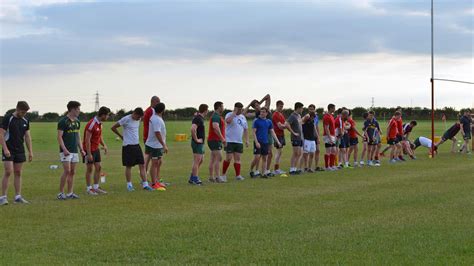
(344, 142)
(15, 157)
(447, 137)
(132, 155)
(297, 143)
(354, 141)
(263, 149)
(392, 141)
(282, 141)
(329, 145)
(399, 138)
(96, 158)
(467, 135)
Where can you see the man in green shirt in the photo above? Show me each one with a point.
(70, 144)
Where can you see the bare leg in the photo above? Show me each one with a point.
(17, 170)
(70, 178)
(6, 175)
(64, 176)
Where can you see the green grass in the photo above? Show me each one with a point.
(419, 212)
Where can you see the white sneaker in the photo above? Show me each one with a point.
(3, 201)
(61, 196)
(370, 163)
(219, 180)
(21, 200)
(100, 191)
(377, 164)
(279, 172)
(239, 178)
(224, 178)
(361, 163)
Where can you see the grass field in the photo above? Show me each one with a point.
(419, 212)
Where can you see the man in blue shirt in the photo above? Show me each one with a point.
(261, 129)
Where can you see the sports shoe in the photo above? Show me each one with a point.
(3, 201)
(100, 191)
(92, 192)
(268, 174)
(402, 159)
(130, 188)
(310, 171)
(219, 180)
(393, 161)
(254, 174)
(212, 180)
(223, 178)
(21, 200)
(72, 196)
(148, 188)
(239, 178)
(61, 196)
(361, 163)
(319, 169)
(377, 164)
(157, 186)
(279, 172)
(293, 173)
(194, 180)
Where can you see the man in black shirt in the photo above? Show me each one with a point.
(15, 130)
(198, 135)
(466, 121)
(309, 135)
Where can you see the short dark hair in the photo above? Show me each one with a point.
(203, 108)
(238, 105)
(73, 105)
(312, 106)
(331, 106)
(371, 113)
(160, 108)
(138, 111)
(264, 109)
(103, 111)
(298, 105)
(413, 122)
(217, 105)
(23, 106)
(279, 102)
(467, 110)
(365, 115)
(398, 113)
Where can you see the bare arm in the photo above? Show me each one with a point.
(275, 137)
(229, 119)
(246, 136)
(217, 129)
(61, 143)
(115, 130)
(29, 145)
(257, 144)
(3, 142)
(88, 145)
(194, 134)
(160, 139)
(287, 125)
(268, 101)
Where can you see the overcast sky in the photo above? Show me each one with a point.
(192, 52)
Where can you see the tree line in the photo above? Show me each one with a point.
(409, 113)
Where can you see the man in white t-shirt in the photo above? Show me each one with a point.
(132, 154)
(236, 129)
(155, 145)
(424, 142)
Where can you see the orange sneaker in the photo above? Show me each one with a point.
(158, 186)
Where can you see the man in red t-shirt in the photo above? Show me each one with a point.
(216, 142)
(392, 136)
(92, 140)
(149, 112)
(278, 120)
(329, 136)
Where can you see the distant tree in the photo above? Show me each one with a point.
(50, 117)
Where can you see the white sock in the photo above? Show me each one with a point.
(129, 184)
(89, 188)
(95, 186)
(17, 197)
(145, 184)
